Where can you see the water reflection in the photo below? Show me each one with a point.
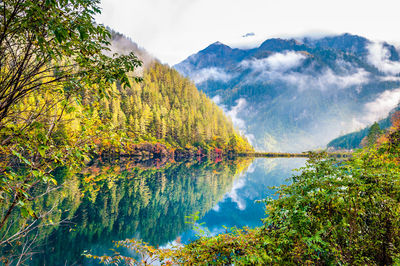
(121, 199)
(238, 207)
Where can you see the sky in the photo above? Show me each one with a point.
(172, 30)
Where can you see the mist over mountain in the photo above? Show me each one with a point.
(122, 44)
(354, 140)
(294, 95)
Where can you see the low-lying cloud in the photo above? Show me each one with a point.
(275, 62)
(124, 45)
(327, 80)
(212, 73)
(381, 107)
(390, 78)
(379, 57)
(279, 67)
(234, 195)
(217, 100)
(322, 81)
(233, 113)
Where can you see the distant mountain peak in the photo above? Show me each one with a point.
(249, 34)
(217, 48)
(344, 42)
(218, 43)
(278, 44)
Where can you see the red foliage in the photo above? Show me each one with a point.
(158, 148)
(218, 151)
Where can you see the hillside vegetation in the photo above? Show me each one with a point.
(164, 108)
(359, 139)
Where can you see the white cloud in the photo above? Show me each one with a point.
(239, 123)
(381, 107)
(379, 57)
(212, 73)
(329, 79)
(251, 168)
(307, 80)
(275, 62)
(233, 113)
(390, 78)
(216, 99)
(234, 196)
(277, 67)
(174, 29)
(216, 208)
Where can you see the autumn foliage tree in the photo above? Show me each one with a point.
(392, 136)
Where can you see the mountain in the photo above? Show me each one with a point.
(298, 94)
(165, 108)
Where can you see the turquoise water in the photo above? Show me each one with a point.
(116, 201)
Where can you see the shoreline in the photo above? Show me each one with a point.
(292, 155)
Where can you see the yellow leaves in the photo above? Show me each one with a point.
(88, 179)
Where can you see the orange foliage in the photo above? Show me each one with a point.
(385, 138)
(382, 139)
(396, 121)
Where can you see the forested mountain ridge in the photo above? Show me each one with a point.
(295, 95)
(167, 108)
(164, 108)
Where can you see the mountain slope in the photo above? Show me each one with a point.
(354, 140)
(165, 108)
(293, 95)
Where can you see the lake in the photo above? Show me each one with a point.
(118, 200)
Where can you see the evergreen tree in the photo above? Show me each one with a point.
(373, 134)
